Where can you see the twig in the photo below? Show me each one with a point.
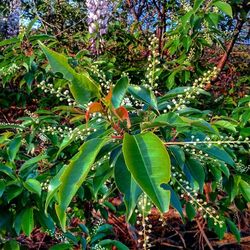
(204, 235)
(222, 243)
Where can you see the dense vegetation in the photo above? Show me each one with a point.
(124, 124)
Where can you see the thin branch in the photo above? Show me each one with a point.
(204, 235)
(230, 46)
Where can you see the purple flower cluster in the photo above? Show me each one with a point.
(13, 18)
(98, 15)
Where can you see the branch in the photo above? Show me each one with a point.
(230, 242)
(204, 235)
(230, 46)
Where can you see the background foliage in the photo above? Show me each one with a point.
(123, 126)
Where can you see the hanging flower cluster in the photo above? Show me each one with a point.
(98, 16)
(13, 18)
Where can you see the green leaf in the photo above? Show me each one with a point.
(102, 173)
(224, 7)
(13, 192)
(171, 79)
(217, 228)
(178, 155)
(170, 119)
(117, 244)
(53, 187)
(214, 18)
(126, 185)
(82, 87)
(11, 245)
(190, 210)
(217, 153)
(143, 94)
(32, 161)
(149, 163)
(197, 171)
(74, 175)
(61, 246)
(18, 222)
(119, 91)
(233, 228)
(175, 199)
(9, 41)
(226, 125)
(27, 223)
(197, 4)
(14, 147)
(33, 186)
(245, 189)
(2, 187)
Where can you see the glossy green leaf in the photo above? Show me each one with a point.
(219, 230)
(9, 41)
(175, 199)
(171, 80)
(32, 161)
(119, 91)
(143, 94)
(13, 192)
(214, 18)
(2, 187)
(11, 245)
(226, 125)
(126, 185)
(102, 173)
(217, 153)
(14, 147)
(190, 210)
(197, 171)
(33, 186)
(149, 163)
(82, 87)
(245, 189)
(224, 7)
(18, 222)
(27, 223)
(197, 4)
(233, 228)
(61, 246)
(53, 187)
(178, 155)
(117, 244)
(74, 175)
(170, 119)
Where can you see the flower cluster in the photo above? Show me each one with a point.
(98, 16)
(190, 93)
(191, 195)
(143, 210)
(186, 6)
(63, 96)
(45, 185)
(101, 161)
(191, 55)
(13, 19)
(242, 168)
(97, 224)
(224, 141)
(33, 116)
(152, 70)
(98, 247)
(77, 133)
(11, 125)
(9, 71)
